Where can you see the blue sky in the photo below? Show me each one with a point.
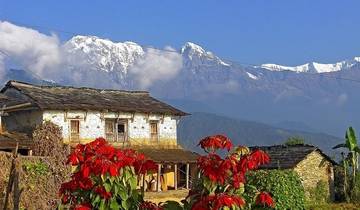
(251, 31)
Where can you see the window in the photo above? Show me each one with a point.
(154, 131)
(75, 130)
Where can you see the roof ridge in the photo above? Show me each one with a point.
(284, 145)
(25, 84)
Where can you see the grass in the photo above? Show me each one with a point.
(334, 206)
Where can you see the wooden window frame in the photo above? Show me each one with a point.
(110, 136)
(77, 138)
(154, 138)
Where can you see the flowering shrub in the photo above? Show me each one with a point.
(222, 180)
(285, 187)
(104, 177)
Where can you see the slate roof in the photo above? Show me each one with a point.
(9, 101)
(287, 157)
(170, 155)
(72, 98)
(8, 140)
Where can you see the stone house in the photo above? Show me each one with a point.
(125, 118)
(310, 163)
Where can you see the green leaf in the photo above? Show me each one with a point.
(96, 200)
(123, 195)
(133, 182)
(340, 146)
(351, 140)
(102, 205)
(125, 204)
(172, 205)
(107, 187)
(114, 205)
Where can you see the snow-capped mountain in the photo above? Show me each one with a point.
(103, 54)
(314, 67)
(195, 55)
(205, 82)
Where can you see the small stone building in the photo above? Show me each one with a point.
(131, 119)
(311, 164)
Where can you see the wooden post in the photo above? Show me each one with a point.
(11, 177)
(175, 176)
(158, 178)
(143, 184)
(187, 175)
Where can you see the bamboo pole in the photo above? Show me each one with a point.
(158, 178)
(187, 175)
(175, 176)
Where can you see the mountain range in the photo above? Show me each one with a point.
(249, 133)
(324, 97)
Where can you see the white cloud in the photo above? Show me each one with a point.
(2, 65)
(156, 65)
(33, 50)
(46, 56)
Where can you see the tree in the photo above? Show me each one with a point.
(294, 140)
(351, 159)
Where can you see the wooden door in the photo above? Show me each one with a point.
(75, 131)
(154, 135)
(110, 130)
(122, 128)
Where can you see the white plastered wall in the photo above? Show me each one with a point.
(92, 124)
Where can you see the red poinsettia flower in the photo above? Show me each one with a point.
(212, 143)
(103, 193)
(260, 157)
(223, 200)
(264, 199)
(204, 203)
(83, 206)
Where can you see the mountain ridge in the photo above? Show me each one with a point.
(325, 101)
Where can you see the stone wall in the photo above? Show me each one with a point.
(22, 121)
(313, 169)
(39, 189)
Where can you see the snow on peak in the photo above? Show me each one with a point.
(198, 55)
(189, 46)
(251, 76)
(313, 67)
(103, 53)
(276, 67)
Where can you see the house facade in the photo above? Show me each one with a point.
(122, 117)
(80, 126)
(131, 119)
(309, 162)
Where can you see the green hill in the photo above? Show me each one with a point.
(242, 132)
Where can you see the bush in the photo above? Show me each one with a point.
(222, 180)
(285, 186)
(355, 191)
(339, 184)
(294, 141)
(104, 178)
(319, 194)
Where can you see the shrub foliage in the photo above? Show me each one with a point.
(285, 186)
